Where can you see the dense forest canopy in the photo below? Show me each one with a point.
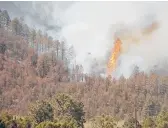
(39, 88)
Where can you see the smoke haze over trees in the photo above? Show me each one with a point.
(92, 33)
(43, 84)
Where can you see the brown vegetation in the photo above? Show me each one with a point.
(32, 71)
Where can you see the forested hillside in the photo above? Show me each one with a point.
(40, 89)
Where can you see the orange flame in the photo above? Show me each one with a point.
(114, 56)
(129, 37)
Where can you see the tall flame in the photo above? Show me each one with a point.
(132, 36)
(114, 56)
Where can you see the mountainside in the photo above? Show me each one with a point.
(34, 67)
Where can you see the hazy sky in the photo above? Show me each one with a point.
(90, 27)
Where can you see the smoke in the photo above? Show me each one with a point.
(92, 26)
(38, 15)
(151, 50)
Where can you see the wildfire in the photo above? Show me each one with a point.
(114, 56)
(128, 36)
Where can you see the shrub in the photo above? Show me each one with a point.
(2, 124)
(6, 119)
(25, 122)
(59, 123)
(149, 122)
(162, 120)
(67, 107)
(103, 121)
(42, 111)
(131, 123)
(46, 124)
(66, 122)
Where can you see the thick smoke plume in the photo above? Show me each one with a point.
(92, 27)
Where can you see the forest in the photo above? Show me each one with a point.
(39, 89)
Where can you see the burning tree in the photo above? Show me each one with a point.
(114, 56)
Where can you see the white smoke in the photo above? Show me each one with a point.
(87, 26)
(90, 27)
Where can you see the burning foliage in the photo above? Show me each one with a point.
(114, 56)
(128, 36)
